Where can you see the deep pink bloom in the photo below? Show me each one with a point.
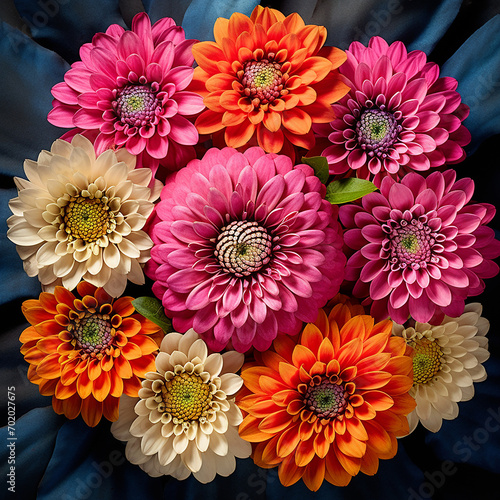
(128, 91)
(245, 247)
(420, 249)
(398, 116)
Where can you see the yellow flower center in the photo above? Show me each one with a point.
(186, 397)
(426, 360)
(87, 219)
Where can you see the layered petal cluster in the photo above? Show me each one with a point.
(447, 360)
(265, 80)
(331, 404)
(81, 217)
(399, 115)
(245, 245)
(420, 248)
(87, 349)
(129, 90)
(185, 420)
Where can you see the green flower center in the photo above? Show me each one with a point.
(93, 333)
(137, 105)
(426, 360)
(410, 243)
(327, 399)
(87, 219)
(262, 81)
(377, 131)
(186, 397)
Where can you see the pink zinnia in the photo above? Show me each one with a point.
(128, 91)
(420, 248)
(246, 246)
(398, 116)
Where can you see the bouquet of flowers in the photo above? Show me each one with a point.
(254, 245)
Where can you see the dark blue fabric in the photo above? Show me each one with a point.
(478, 74)
(64, 25)
(58, 459)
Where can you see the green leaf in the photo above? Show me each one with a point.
(320, 166)
(347, 190)
(152, 309)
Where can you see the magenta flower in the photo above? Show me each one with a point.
(397, 117)
(128, 91)
(245, 246)
(420, 248)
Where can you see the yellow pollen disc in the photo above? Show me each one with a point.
(87, 219)
(426, 360)
(186, 397)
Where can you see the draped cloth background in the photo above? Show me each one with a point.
(61, 459)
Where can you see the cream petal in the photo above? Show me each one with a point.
(180, 443)
(187, 341)
(129, 249)
(413, 421)
(213, 364)
(434, 422)
(48, 233)
(202, 440)
(170, 342)
(163, 362)
(122, 155)
(141, 176)
(218, 444)
(192, 430)
(166, 453)
(46, 255)
(111, 256)
(233, 361)
(24, 234)
(225, 465)
(151, 440)
(237, 446)
(231, 383)
(198, 350)
(423, 408)
(103, 163)
(135, 274)
(178, 358)
(234, 415)
(192, 457)
(208, 470)
(167, 429)
(133, 452)
(140, 426)
(140, 408)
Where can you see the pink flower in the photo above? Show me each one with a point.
(245, 246)
(128, 91)
(420, 248)
(398, 116)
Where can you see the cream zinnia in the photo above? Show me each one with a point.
(185, 420)
(81, 217)
(447, 360)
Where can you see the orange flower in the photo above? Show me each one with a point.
(265, 80)
(330, 405)
(85, 352)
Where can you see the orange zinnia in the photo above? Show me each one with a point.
(265, 80)
(330, 405)
(86, 351)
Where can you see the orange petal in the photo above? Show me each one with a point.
(369, 463)
(321, 445)
(239, 135)
(304, 453)
(49, 367)
(288, 471)
(271, 385)
(269, 455)
(335, 473)
(110, 408)
(142, 365)
(303, 356)
(233, 118)
(48, 302)
(314, 474)
(209, 122)
(71, 407)
(312, 337)
(65, 391)
(275, 422)
(398, 384)
(334, 55)
(289, 374)
(349, 353)
(287, 442)
(272, 121)
(91, 411)
(101, 386)
(84, 385)
(252, 375)
(35, 315)
(380, 441)
(271, 142)
(249, 430)
(374, 363)
(116, 388)
(350, 464)
(351, 446)
(207, 54)
(64, 296)
(356, 428)
(319, 65)
(373, 380)
(29, 335)
(296, 121)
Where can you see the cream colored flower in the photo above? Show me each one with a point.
(447, 360)
(81, 217)
(185, 420)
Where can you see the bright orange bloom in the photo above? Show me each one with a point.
(265, 80)
(86, 351)
(331, 404)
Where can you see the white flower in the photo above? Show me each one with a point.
(184, 420)
(447, 360)
(81, 217)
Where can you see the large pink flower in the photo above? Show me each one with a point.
(420, 247)
(246, 246)
(398, 116)
(128, 91)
